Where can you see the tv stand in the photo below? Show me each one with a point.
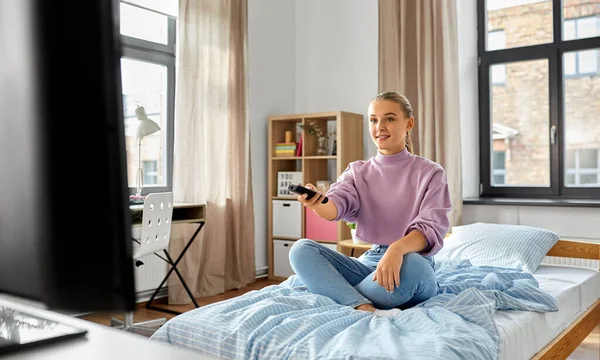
(91, 341)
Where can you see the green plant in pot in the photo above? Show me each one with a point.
(315, 130)
(352, 227)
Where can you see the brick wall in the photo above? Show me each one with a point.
(522, 103)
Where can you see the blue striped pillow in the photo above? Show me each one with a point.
(511, 246)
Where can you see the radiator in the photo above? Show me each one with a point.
(149, 275)
(554, 260)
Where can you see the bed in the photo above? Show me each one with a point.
(510, 319)
(583, 322)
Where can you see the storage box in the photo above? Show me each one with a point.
(319, 229)
(287, 219)
(281, 259)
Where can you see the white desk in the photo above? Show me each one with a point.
(182, 213)
(101, 342)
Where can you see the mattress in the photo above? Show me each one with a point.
(524, 333)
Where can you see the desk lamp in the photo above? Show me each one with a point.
(145, 127)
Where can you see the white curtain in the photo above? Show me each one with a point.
(212, 147)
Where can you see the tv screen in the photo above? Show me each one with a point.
(65, 227)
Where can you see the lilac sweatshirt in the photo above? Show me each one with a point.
(388, 196)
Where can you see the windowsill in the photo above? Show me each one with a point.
(532, 202)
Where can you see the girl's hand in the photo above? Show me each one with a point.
(315, 200)
(387, 273)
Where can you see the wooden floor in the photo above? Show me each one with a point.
(588, 350)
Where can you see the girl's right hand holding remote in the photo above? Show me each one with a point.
(313, 201)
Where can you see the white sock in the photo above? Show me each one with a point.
(387, 313)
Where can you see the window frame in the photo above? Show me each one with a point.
(160, 54)
(553, 53)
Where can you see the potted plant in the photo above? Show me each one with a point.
(352, 227)
(315, 130)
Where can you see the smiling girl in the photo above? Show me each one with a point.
(400, 203)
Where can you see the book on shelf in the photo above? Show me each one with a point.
(285, 149)
(285, 154)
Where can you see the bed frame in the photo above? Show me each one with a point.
(564, 344)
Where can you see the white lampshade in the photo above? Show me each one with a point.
(145, 126)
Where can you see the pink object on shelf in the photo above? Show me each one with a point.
(299, 147)
(319, 229)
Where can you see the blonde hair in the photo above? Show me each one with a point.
(404, 105)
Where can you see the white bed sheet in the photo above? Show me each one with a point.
(525, 333)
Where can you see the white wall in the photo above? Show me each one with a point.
(306, 56)
(336, 57)
(576, 223)
(271, 59)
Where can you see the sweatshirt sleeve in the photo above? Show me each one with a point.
(344, 196)
(432, 219)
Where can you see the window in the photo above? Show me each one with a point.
(496, 42)
(148, 78)
(583, 167)
(142, 24)
(582, 63)
(498, 167)
(150, 172)
(538, 91)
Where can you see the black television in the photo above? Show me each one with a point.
(65, 226)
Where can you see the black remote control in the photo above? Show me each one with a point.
(299, 189)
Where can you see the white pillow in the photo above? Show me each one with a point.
(510, 246)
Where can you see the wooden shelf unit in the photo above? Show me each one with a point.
(349, 144)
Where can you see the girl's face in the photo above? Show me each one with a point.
(388, 126)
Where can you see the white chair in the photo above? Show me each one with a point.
(155, 237)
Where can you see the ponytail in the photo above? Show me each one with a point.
(408, 142)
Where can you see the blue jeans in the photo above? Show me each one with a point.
(348, 281)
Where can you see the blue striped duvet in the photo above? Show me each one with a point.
(287, 322)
